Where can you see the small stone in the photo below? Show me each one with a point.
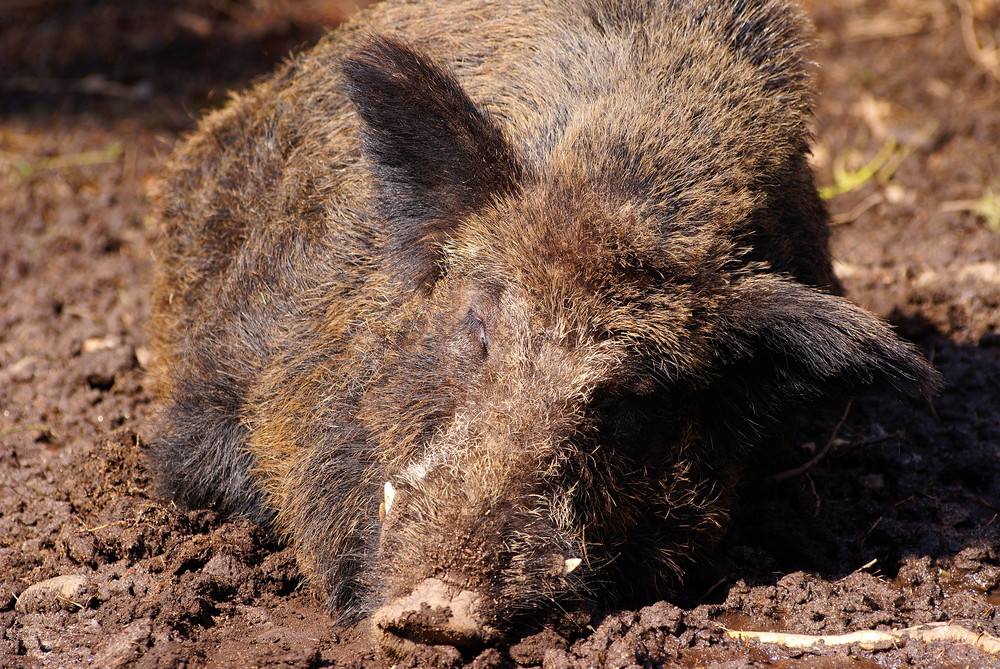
(71, 592)
(144, 356)
(105, 343)
(23, 369)
(873, 482)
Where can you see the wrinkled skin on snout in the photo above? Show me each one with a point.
(479, 325)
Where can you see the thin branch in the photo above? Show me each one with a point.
(872, 639)
(986, 56)
(802, 469)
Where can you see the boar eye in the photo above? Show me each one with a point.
(478, 330)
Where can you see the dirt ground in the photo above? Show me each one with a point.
(896, 527)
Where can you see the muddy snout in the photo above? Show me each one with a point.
(434, 613)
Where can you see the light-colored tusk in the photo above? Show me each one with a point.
(571, 564)
(390, 494)
(381, 512)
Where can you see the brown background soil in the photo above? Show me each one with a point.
(897, 526)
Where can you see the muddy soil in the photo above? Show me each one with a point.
(894, 528)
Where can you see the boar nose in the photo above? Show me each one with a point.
(434, 613)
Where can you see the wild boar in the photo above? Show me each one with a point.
(482, 304)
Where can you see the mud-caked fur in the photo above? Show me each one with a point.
(552, 268)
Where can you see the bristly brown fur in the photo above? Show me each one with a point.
(553, 269)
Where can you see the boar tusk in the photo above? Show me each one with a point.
(390, 494)
(571, 564)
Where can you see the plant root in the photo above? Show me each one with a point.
(878, 639)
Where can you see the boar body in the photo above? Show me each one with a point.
(550, 269)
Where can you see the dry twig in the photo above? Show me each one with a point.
(802, 469)
(986, 56)
(872, 639)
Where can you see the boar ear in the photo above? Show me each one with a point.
(435, 155)
(782, 344)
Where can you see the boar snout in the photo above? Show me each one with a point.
(497, 553)
(436, 612)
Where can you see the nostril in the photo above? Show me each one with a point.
(433, 614)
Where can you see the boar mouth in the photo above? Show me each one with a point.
(433, 614)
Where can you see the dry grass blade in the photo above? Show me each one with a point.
(987, 56)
